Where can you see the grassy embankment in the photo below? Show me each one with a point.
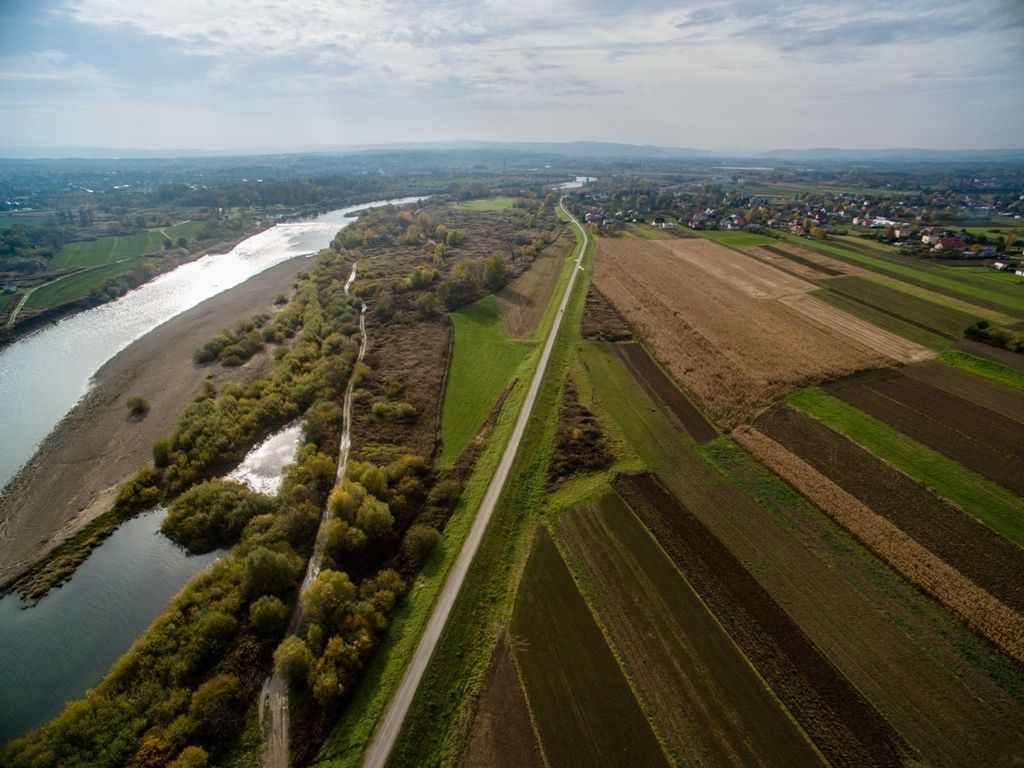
(920, 667)
(485, 596)
(999, 508)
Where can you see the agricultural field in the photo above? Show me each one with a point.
(732, 239)
(500, 203)
(106, 250)
(742, 333)
(698, 689)
(484, 363)
(1003, 358)
(944, 691)
(982, 440)
(584, 710)
(807, 264)
(77, 285)
(523, 301)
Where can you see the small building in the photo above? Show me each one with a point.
(10, 289)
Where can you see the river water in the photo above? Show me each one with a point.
(43, 375)
(52, 652)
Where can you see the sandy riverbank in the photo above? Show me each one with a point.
(73, 476)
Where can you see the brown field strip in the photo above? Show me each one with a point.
(1000, 624)
(523, 301)
(840, 721)
(989, 560)
(803, 262)
(1010, 359)
(697, 687)
(663, 391)
(986, 442)
(711, 315)
(501, 735)
(999, 399)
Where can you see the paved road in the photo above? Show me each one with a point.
(391, 723)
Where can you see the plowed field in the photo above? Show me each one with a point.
(988, 443)
(713, 317)
(840, 721)
(1002, 400)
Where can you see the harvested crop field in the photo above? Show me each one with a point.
(986, 558)
(663, 391)
(840, 721)
(1003, 626)
(1002, 400)
(697, 687)
(523, 301)
(807, 263)
(584, 709)
(711, 315)
(982, 440)
(501, 735)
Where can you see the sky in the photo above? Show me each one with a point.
(710, 74)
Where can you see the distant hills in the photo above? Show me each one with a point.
(596, 150)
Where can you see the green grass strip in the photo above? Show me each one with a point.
(987, 369)
(997, 507)
(484, 361)
(76, 286)
(490, 204)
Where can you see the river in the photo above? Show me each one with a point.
(43, 375)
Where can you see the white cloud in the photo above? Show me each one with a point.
(49, 64)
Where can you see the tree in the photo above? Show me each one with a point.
(292, 661)
(215, 703)
(419, 542)
(190, 757)
(269, 573)
(374, 518)
(328, 598)
(268, 616)
(494, 273)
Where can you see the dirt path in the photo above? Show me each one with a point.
(273, 704)
(390, 724)
(72, 477)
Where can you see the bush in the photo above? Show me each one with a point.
(419, 542)
(137, 405)
(292, 661)
(268, 616)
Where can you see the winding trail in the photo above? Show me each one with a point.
(273, 703)
(390, 725)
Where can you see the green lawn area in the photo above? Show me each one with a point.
(105, 250)
(997, 507)
(490, 204)
(76, 286)
(484, 362)
(988, 369)
(733, 239)
(585, 714)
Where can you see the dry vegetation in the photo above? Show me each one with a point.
(523, 301)
(736, 333)
(1003, 626)
(601, 321)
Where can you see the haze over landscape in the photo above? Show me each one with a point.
(228, 74)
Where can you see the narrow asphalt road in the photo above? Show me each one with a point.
(390, 725)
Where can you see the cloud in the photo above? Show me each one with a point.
(47, 65)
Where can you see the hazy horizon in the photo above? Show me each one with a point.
(223, 74)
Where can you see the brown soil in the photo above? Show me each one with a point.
(713, 317)
(407, 364)
(72, 477)
(839, 720)
(523, 301)
(986, 442)
(501, 735)
(663, 391)
(580, 445)
(1005, 357)
(995, 397)
(986, 558)
(601, 321)
(1001, 625)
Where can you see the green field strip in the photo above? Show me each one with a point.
(987, 369)
(584, 710)
(939, 298)
(501, 203)
(484, 362)
(700, 690)
(885, 320)
(105, 250)
(933, 277)
(76, 286)
(995, 506)
(731, 238)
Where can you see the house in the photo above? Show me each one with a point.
(949, 243)
(1003, 265)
